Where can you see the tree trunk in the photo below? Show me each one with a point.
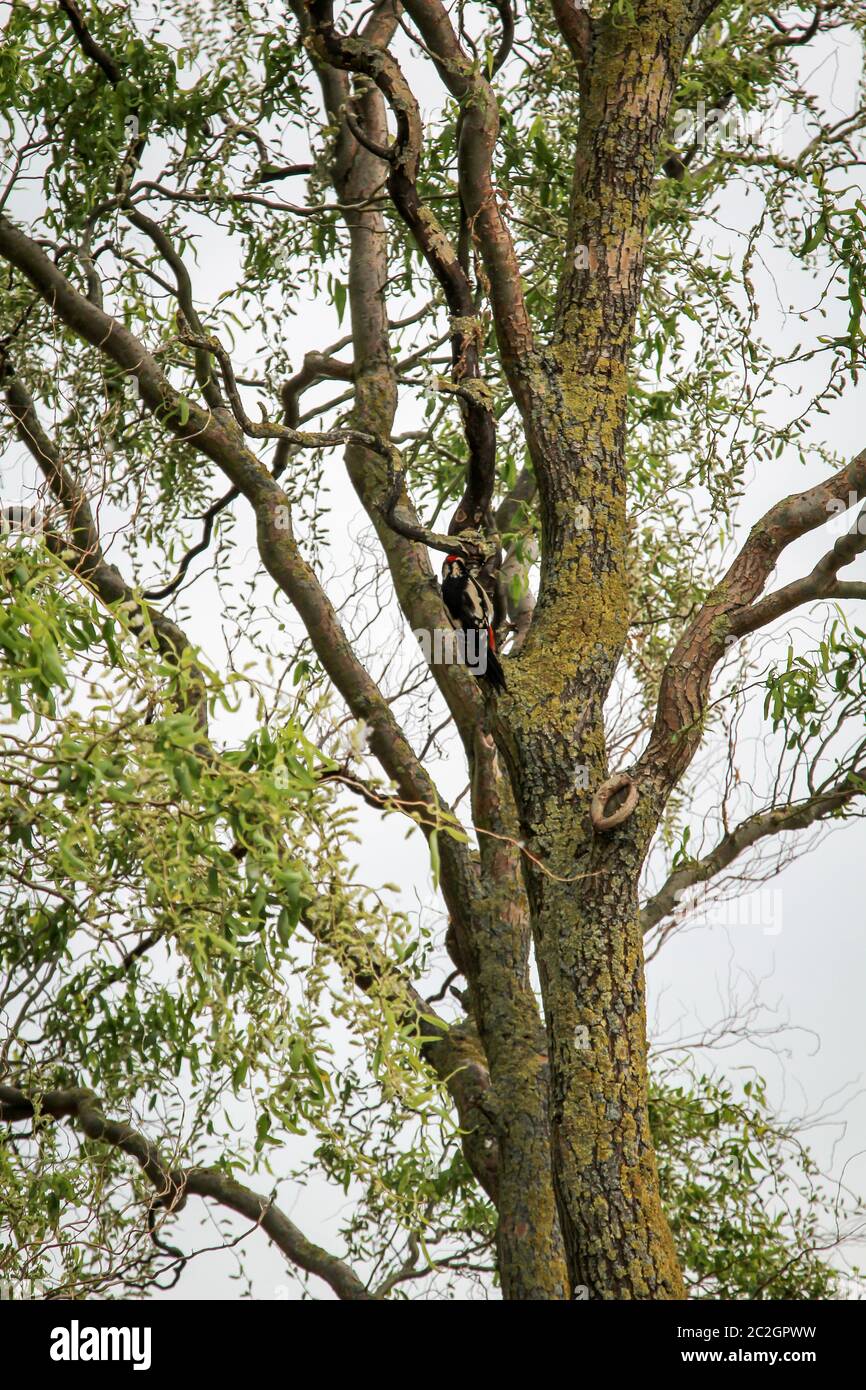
(582, 882)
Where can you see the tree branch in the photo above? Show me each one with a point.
(354, 172)
(729, 610)
(820, 583)
(778, 820)
(316, 366)
(89, 46)
(478, 136)
(82, 537)
(280, 554)
(162, 242)
(574, 23)
(376, 63)
(174, 1185)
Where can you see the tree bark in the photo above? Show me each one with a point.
(582, 883)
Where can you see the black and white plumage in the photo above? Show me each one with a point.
(471, 608)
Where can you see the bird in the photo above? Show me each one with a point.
(471, 608)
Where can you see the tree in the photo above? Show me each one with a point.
(179, 897)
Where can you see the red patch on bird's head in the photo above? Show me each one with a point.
(452, 559)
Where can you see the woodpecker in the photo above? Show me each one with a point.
(472, 610)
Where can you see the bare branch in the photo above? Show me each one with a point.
(316, 366)
(162, 242)
(820, 583)
(779, 820)
(472, 546)
(685, 682)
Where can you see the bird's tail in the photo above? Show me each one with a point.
(494, 672)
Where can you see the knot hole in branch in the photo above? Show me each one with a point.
(613, 802)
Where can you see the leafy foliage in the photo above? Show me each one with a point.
(751, 1213)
